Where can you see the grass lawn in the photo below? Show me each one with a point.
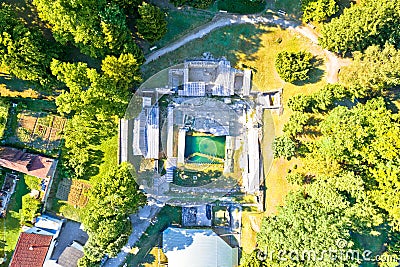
(4, 107)
(109, 159)
(242, 6)
(105, 159)
(12, 220)
(152, 236)
(251, 224)
(180, 22)
(266, 78)
(227, 41)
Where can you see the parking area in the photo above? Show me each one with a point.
(70, 231)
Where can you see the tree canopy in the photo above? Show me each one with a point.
(318, 10)
(371, 22)
(111, 201)
(102, 95)
(293, 66)
(301, 228)
(152, 24)
(24, 52)
(96, 27)
(372, 72)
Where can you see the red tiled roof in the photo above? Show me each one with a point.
(24, 162)
(31, 250)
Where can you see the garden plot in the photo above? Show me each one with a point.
(39, 130)
(74, 192)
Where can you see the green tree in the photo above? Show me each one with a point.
(356, 161)
(284, 147)
(293, 66)
(302, 225)
(300, 103)
(24, 51)
(111, 201)
(152, 24)
(99, 95)
(125, 70)
(318, 10)
(373, 72)
(30, 209)
(96, 27)
(296, 124)
(371, 22)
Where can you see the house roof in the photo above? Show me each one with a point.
(197, 248)
(31, 250)
(70, 256)
(21, 161)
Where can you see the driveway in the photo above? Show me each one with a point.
(70, 231)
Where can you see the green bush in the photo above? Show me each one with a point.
(194, 3)
(30, 209)
(4, 107)
(284, 147)
(293, 66)
(242, 6)
(318, 10)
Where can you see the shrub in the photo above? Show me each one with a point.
(284, 147)
(292, 66)
(296, 124)
(242, 6)
(194, 3)
(301, 103)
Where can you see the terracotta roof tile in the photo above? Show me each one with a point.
(31, 250)
(24, 162)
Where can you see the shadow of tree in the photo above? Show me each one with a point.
(315, 74)
(234, 42)
(149, 259)
(95, 159)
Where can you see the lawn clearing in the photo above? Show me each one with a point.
(4, 107)
(227, 41)
(181, 22)
(251, 224)
(108, 158)
(242, 6)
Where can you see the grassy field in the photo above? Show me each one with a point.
(180, 23)
(4, 107)
(251, 222)
(241, 6)
(109, 158)
(226, 41)
(106, 158)
(152, 237)
(11, 224)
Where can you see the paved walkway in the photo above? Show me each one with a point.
(140, 222)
